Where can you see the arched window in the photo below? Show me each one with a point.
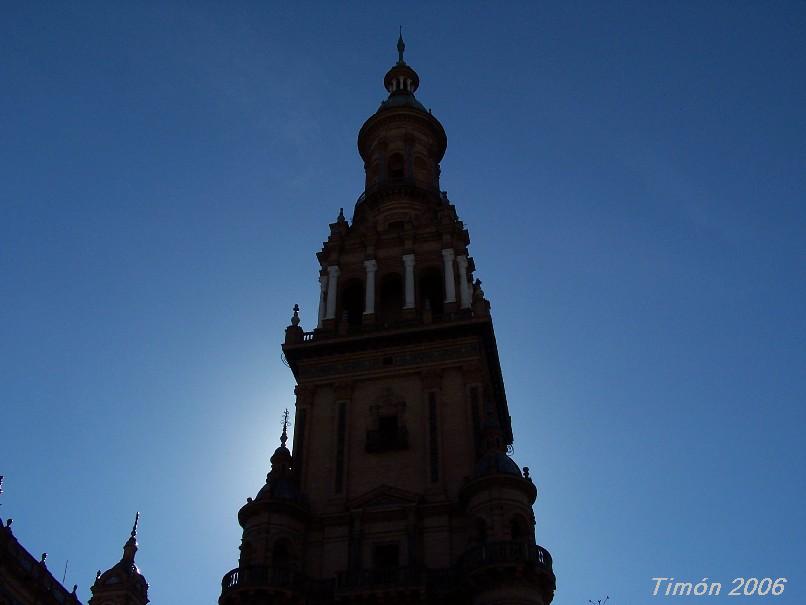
(396, 164)
(432, 290)
(352, 301)
(390, 297)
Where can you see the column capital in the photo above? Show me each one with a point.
(333, 271)
(371, 265)
(408, 260)
(448, 254)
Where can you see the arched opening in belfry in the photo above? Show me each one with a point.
(390, 297)
(396, 166)
(432, 291)
(352, 301)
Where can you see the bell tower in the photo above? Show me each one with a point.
(399, 487)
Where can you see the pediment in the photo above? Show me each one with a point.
(385, 496)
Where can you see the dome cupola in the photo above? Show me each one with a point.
(401, 79)
(402, 143)
(122, 584)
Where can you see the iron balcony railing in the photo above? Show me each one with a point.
(506, 553)
(263, 577)
(438, 581)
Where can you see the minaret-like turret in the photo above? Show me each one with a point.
(122, 584)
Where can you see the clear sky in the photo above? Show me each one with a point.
(632, 176)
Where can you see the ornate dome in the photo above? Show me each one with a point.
(124, 576)
(280, 482)
(496, 463)
(123, 573)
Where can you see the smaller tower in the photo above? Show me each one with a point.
(273, 544)
(122, 584)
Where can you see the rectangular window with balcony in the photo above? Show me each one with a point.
(386, 556)
(389, 436)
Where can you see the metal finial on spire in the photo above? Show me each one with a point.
(134, 527)
(284, 436)
(401, 46)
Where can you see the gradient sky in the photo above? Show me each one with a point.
(632, 176)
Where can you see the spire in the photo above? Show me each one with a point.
(123, 582)
(401, 80)
(130, 548)
(284, 436)
(401, 47)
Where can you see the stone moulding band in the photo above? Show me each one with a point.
(382, 361)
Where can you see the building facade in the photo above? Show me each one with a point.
(399, 488)
(26, 580)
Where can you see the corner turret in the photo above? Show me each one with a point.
(122, 584)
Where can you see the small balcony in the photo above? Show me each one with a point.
(262, 577)
(387, 439)
(505, 554)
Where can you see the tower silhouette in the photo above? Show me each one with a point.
(399, 488)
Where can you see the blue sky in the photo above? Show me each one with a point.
(632, 176)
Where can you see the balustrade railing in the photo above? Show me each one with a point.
(502, 553)
(262, 577)
(439, 581)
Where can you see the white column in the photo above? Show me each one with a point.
(322, 292)
(369, 291)
(450, 283)
(332, 288)
(464, 285)
(408, 261)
